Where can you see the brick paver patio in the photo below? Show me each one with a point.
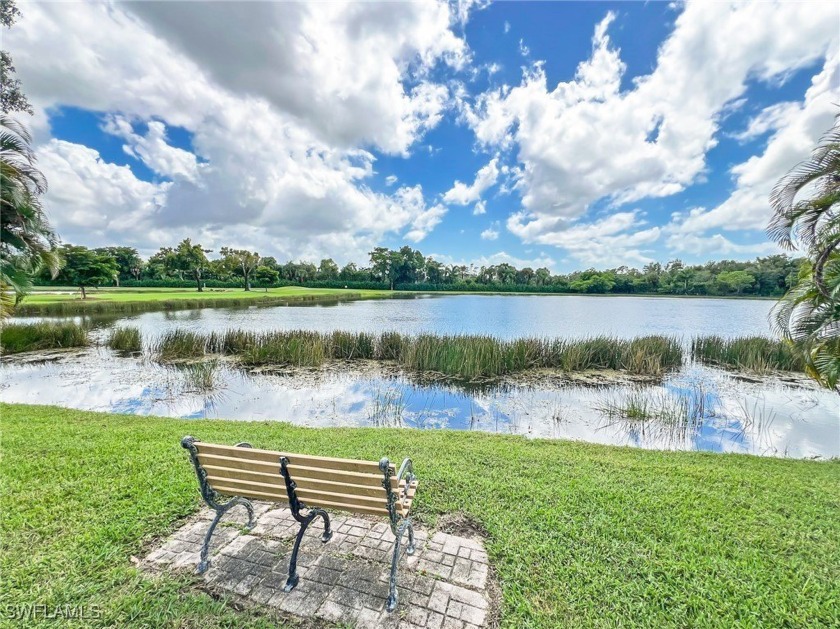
(444, 585)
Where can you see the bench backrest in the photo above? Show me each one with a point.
(341, 484)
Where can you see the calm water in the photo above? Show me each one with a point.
(504, 316)
(699, 408)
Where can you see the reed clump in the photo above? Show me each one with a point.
(29, 337)
(298, 348)
(457, 356)
(351, 345)
(201, 376)
(180, 345)
(128, 340)
(752, 353)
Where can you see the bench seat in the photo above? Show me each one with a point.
(309, 482)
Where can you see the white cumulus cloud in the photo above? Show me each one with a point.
(463, 194)
(588, 140)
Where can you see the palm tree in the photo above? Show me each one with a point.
(27, 242)
(809, 315)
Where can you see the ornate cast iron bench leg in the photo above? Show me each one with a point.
(295, 506)
(399, 525)
(212, 500)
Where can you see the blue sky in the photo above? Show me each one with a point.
(559, 134)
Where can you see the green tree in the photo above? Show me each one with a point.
(241, 262)
(12, 97)
(327, 270)
(806, 207)
(348, 272)
(190, 259)
(129, 262)
(736, 280)
(385, 265)
(85, 267)
(542, 276)
(266, 276)
(506, 273)
(434, 271)
(162, 265)
(27, 242)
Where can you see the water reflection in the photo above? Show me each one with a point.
(506, 316)
(696, 409)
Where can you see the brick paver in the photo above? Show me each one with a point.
(345, 581)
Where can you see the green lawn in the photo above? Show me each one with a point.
(118, 300)
(580, 535)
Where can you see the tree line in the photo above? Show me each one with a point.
(190, 264)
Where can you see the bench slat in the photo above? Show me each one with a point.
(354, 478)
(313, 496)
(273, 456)
(302, 482)
(246, 486)
(342, 484)
(342, 465)
(270, 496)
(342, 506)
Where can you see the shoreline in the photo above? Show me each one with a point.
(113, 300)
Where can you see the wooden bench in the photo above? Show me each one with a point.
(310, 483)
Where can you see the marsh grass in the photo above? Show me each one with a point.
(299, 348)
(28, 337)
(180, 345)
(752, 353)
(668, 415)
(463, 357)
(201, 376)
(351, 345)
(387, 407)
(127, 340)
(389, 346)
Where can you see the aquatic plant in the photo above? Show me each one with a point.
(753, 353)
(230, 341)
(668, 415)
(351, 345)
(125, 340)
(457, 356)
(200, 376)
(387, 407)
(180, 345)
(300, 348)
(28, 337)
(389, 346)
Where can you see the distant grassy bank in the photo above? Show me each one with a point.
(579, 534)
(130, 300)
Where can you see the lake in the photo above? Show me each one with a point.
(698, 407)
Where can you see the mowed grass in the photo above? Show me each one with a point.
(579, 534)
(16, 338)
(127, 300)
